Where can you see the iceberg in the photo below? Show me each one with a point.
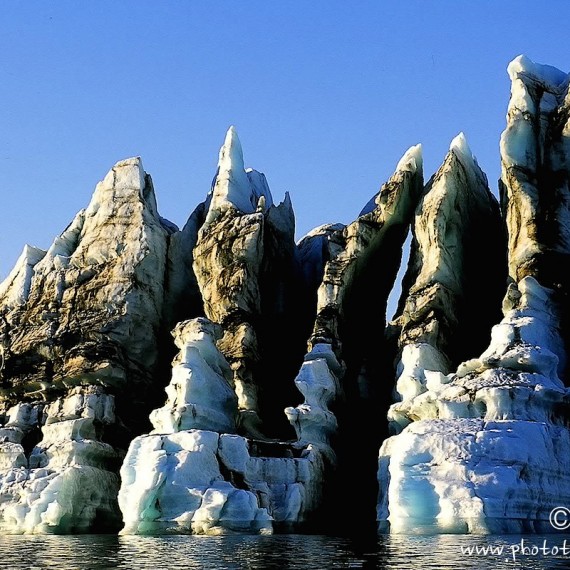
(288, 390)
(484, 448)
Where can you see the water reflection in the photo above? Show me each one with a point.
(443, 552)
(284, 551)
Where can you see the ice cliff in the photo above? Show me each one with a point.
(224, 378)
(485, 445)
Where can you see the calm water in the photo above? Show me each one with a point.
(282, 551)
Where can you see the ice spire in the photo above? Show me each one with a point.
(461, 148)
(411, 161)
(233, 186)
(230, 162)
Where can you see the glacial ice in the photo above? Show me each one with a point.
(411, 161)
(480, 441)
(313, 252)
(185, 477)
(549, 76)
(439, 295)
(14, 290)
(79, 337)
(199, 395)
(234, 186)
(485, 449)
(246, 269)
(484, 434)
(67, 485)
(318, 382)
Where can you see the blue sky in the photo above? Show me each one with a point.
(326, 96)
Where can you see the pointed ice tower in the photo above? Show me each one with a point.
(245, 253)
(79, 334)
(234, 187)
(457, 230)
(535, 161)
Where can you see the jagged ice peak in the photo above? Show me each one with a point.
(460, 148)
(234, 186)
(231, 153)
(549, 76)
(412, 159)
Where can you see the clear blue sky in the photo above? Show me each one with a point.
(326, 96)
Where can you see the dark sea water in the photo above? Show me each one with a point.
(285, 551)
